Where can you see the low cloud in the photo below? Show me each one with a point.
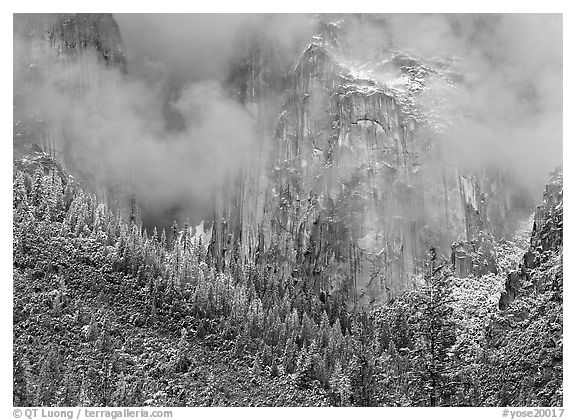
(170, 125)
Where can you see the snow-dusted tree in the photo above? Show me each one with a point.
(434, 336)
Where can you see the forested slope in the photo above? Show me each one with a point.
(106, 314)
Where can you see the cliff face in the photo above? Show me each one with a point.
(69, 35)
(537, 270)
(352, 191)
(348, 208)
(547, 235)
(348, 187)
(61, 56)
(525, 336)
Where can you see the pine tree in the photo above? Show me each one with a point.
(182, 358)
(274, 368)
(289, 357)
(434, 334)
(163, 239)
(305, 367)
(20, 194)
(340, 385)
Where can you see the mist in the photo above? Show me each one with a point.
(506, 108)
(167, 125)
(120, 131)
(172, 127)
(510, 108)
(201, 46)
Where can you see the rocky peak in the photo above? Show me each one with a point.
(548, 220)
(68, 35)
(545, 244)
(354, 187)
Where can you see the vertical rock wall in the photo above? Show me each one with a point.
(47, 46)
(353, 192)
(348, 190)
